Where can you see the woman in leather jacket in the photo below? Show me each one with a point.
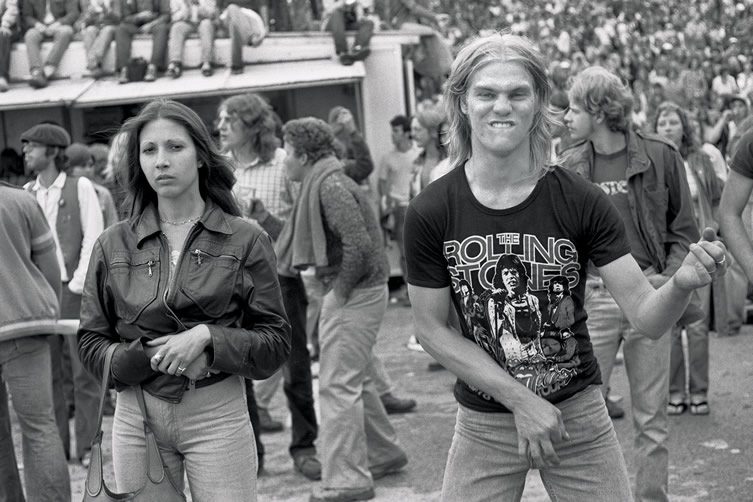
(188, 292)
(673, 123)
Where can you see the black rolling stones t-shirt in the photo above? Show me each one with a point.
(518, 275)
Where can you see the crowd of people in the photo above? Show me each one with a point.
(197, 265)
(168, 23)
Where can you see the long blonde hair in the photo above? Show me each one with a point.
(499, 47)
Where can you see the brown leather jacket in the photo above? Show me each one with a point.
(226, 280)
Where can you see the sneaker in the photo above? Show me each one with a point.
(266, 424)
(49, 71)
(359, 53)
(395, 405)
(346, 59)
(435, 366)
(86, 459)
(206, 69)
(393, 466)
(236, 70)
(414, 344)
(37, 80)
(308, 465)
(321, 494)
(151, 73)
(174, 70)
(123, 76)
(614, 410)
(3, 84)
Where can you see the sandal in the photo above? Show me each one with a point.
(676, 407)
(700, 408)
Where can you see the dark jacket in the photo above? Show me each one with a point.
(34, 11)
(228, 281)
(658, 195)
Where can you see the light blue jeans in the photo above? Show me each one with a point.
(25, 364)
(484, 464)
(698, 357)
(208, 433)
(647, 367)
(355, 431)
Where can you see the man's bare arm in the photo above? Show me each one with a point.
(734, 199)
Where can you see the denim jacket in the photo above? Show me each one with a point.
(226, 279)
(658, 195)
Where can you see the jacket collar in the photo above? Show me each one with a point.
(214, 219)
(638, 161)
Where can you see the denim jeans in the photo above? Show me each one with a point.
(338, 23)
(25, 364)
(484, 464)
(97, 40)
(355, 430)
(33, 39)
(207, 434)
(647, 367)
(10, 483)
(698, 356)
(5, 44)
(179, 31)
(124, 37)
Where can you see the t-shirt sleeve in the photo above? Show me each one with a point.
(742, 162)
(427, 266)
(605, 231)
(42, 240)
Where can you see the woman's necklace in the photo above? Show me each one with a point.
(178, 223)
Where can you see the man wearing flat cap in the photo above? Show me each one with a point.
(72, 211)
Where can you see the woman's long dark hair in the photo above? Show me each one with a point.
(216, 177)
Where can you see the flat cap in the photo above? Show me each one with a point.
(47, 134)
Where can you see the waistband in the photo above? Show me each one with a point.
(206, 382)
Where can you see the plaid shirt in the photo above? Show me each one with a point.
(267, 182)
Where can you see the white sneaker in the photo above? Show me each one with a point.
(414, 344)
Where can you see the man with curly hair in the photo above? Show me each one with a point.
(333, 229)
(644, 177)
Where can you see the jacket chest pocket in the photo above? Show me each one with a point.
(211, 277)
(135, 280)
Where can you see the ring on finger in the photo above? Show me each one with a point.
(180, 371)
(157, 357)
(722, 261)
